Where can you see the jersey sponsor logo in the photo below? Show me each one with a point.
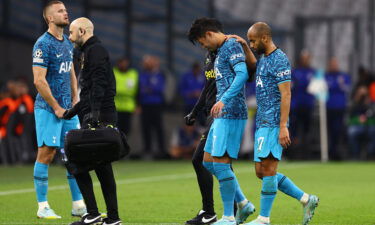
(283, 73)
(210, 74)
(217, 73)
(59, 55)
(259, 82)
(65, 67)
(234, 56)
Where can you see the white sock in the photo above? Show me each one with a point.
(304, 199)
(78, 204)
(231, 218)
(263, 219)
(242, 203)
(43, 205)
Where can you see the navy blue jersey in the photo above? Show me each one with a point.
(271, 71)
(57, 57)
(228, 55)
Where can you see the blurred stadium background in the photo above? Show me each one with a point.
(344, 29)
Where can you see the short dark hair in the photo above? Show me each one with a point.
(49, 4)
(200, 26)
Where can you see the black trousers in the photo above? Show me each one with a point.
(152, 124)
(335, 122)
(204, 177)
(106, 179)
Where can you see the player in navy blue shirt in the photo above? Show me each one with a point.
(273, 94)
(230, 115)
(55, 80)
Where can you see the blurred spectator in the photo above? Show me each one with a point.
(151, 100)
(302, 103)
(184, 141)
(126, 93)
(338, 87)
(16, 117)
(361, 126)
(190, 86)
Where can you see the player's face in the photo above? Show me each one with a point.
(208, 42)
(256, 43)
(74, 35)
(59, 15)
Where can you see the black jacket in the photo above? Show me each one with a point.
(96, 79)
(207, 99)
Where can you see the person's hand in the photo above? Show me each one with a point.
(284, 138)
(216, 109)
(238, 38)
(75, 100)
(189, 119)
(69, 113)
(59, 112)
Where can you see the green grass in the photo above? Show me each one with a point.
(167, 193)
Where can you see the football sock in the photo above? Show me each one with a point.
(227, 181)
(209, 166)
(231, 218)
(269, 189)
(243, 203)
(239, 196)
(304, 199)
(74, 189)
(41, 181)
(288, 187)
(43, 205)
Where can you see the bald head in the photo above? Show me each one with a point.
(260, 29)
(80, 31)
(260, 37)
(84, 24)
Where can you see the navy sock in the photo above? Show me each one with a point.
(288, 187)
(269, 189)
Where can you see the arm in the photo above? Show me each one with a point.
(44, 90)
(74, 86)
(251, 61)
(236, 86)
(98, 61)
(285, 92)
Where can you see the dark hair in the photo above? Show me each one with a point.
(49, 4)
(200, 26)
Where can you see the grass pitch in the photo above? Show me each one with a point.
(167, 193)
